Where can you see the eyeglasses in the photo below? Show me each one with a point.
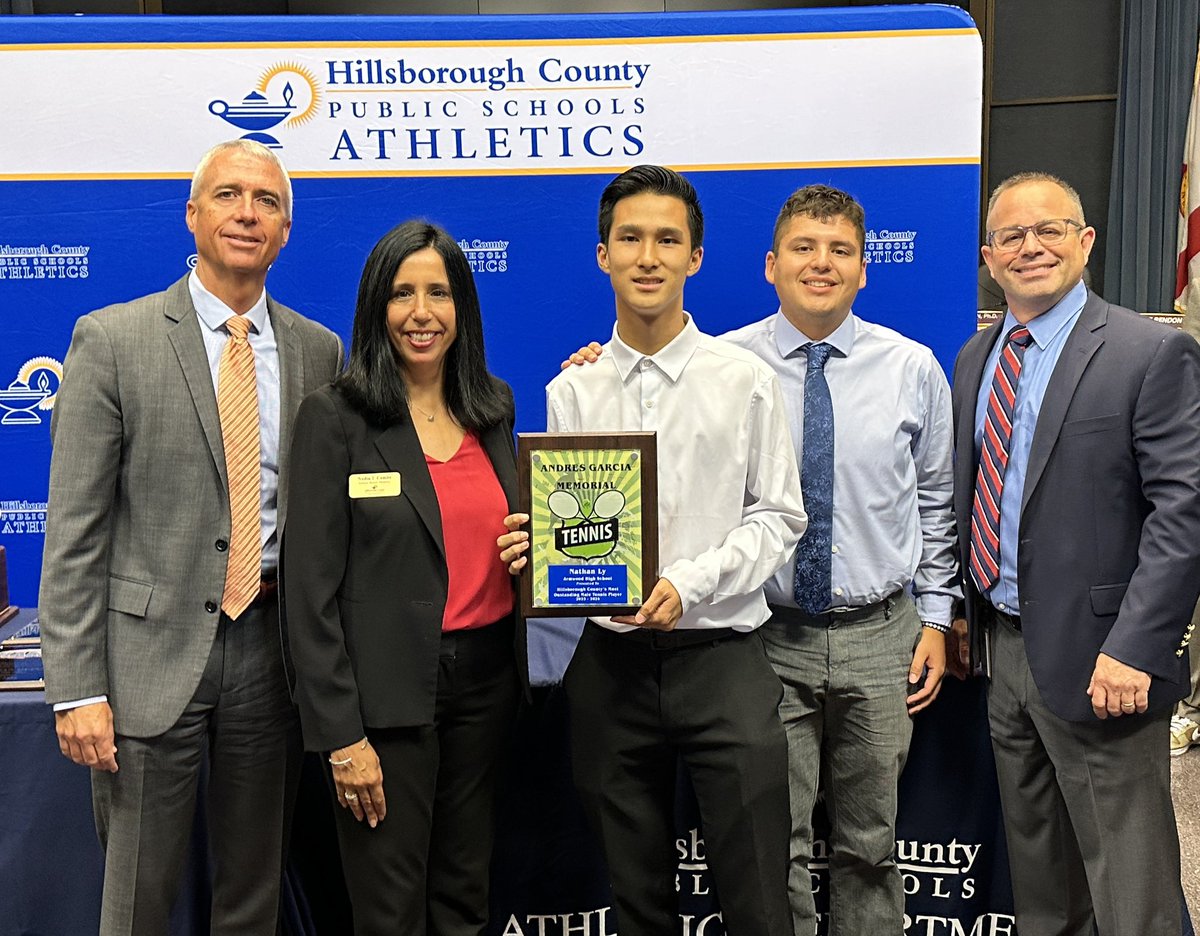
(1049, 232)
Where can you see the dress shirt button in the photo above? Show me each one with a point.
(647, 363)
(835, 549)
(649, 404)
(1002, 606)
(838, 592)
(222, 545)
(210, 607)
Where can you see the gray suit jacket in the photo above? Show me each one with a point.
(132, 576)
(1109, 541)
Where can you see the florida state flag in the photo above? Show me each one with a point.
(1187, 270)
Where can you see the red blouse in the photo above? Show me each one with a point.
(472, 505)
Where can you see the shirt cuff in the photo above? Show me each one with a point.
(64, 706)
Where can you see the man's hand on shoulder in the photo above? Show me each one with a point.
(85, 735)
(661, 611)
(588, 354)
(1118, 689)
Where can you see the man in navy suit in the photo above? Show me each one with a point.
(1077, 496)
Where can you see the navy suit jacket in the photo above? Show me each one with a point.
(1109, 537)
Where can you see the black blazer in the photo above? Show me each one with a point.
(365, 579)
(1109, 535)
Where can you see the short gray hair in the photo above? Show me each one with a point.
(1021, 178)
(250, 148)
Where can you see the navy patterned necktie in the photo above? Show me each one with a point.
(815, 552)
(993, 459)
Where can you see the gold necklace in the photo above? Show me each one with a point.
(428, 416)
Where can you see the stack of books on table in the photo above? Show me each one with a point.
(21, 653)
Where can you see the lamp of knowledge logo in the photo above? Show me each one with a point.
(286, 94)
(890, 246)
(34, 389)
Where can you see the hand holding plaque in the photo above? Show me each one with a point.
(592, 502)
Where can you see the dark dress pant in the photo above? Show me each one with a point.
(424, 868)
(636, 709)
(1087, 811)
(242, 718)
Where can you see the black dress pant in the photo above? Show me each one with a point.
(424, 868)
(636, 708)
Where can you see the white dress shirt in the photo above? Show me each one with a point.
(729, 504)
(893, 521)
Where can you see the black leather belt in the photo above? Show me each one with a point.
(789, 615)
(1011, 620)
(669, 640)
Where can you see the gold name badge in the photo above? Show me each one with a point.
(376, 484)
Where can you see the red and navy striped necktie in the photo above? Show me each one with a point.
(993, 460)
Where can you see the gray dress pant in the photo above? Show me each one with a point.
(845, 682)
(242, 717)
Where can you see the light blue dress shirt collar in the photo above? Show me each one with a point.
(1045, 327)
(789, 339)
(214, 313)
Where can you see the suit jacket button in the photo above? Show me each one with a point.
(210, 607)
(222, 545)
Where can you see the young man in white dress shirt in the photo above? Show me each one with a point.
(686, 677)
(863, 655)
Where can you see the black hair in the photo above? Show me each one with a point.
(373, 381)
(657, 180)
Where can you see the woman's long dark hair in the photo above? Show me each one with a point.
(372, 381)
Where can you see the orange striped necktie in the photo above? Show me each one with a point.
(237, 403)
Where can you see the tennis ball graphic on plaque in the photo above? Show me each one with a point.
(588, 529)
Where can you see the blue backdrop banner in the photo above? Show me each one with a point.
(505, 130)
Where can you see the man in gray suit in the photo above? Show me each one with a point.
(152, 656)
(1077, 496)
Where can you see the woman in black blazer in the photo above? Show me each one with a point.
(408, 657)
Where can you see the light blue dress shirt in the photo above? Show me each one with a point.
(893, 520)
(213, 313)
(1049, 331)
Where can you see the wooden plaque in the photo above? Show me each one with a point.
(592, 500)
